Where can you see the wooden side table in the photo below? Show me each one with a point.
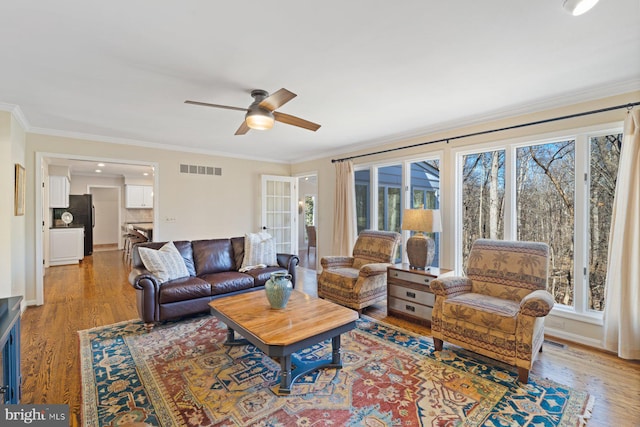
(408, 293)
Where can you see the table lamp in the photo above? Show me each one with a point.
(421, 248)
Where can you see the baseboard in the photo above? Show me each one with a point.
(31, 302)
(568, 336)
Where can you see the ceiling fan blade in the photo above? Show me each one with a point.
(243, 129)
(205, 104)
(295, 121)
(277, 99)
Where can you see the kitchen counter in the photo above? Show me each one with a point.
(143, 228)
(57, 227)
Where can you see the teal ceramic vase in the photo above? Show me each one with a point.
(279, 289)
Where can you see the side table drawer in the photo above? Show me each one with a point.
(410, 308)
(411, 277)
(412, 295)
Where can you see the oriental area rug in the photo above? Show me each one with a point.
(181, 374)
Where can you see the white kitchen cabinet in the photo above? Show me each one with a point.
(139, 196)
(66, 245)
(59, 191)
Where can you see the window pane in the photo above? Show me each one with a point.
(425, 189)
(389, 198)
(390, 201)
(363, 181)
(605, 156)
(545, 182)
(482, 199)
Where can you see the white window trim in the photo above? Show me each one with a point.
(581, 137)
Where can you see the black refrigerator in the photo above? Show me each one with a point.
(81, 207)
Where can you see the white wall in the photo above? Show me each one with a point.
(12, 228)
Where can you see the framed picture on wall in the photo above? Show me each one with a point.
(19, 190)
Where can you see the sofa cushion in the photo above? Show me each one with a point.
(212, 256)
(165, 263)
(184, 289)
(261, 275)
(483, 311)
(259, 249)
(228, 281)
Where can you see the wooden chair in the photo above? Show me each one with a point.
(498, 309)
(311, 239)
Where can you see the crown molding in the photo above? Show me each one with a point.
(146, 144)
(17, 113)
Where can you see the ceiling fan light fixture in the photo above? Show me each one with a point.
(259, 119)
(578, 7)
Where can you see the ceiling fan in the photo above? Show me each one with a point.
(261, 113)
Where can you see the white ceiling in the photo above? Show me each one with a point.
(368, 71)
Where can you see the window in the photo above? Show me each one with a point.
(309, 209)
(482, 198)
(545, 205)
(386, 203)
(363, 204)
(424, 183)
(603, 164)
(558, 191)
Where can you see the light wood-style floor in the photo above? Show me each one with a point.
(97, 292)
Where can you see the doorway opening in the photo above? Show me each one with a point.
(308, 230)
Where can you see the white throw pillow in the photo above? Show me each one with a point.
(259, 248)
(165, 263)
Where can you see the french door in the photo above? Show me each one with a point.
(279, 211)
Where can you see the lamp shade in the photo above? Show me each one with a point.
(259, 119)
(425, 220)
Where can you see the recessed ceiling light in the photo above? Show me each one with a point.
(101, 165)
(98, 170)
(145, 174)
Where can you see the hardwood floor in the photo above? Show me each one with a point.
(97, 292)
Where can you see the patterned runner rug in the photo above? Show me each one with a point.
(181, 374)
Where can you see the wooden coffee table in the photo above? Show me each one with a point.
(305, 321)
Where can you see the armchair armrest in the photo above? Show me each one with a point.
(374, 269)
(451, 286)
(537, 304)
(136, 275)
(336, 261)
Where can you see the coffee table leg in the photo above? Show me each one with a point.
(285, 375)
(231, 338)
(335, 356)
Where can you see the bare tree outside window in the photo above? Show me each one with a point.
(482, 199)
(605, 156)
(545, 182)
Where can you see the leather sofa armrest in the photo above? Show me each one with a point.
(336, 261)
(451, 286)
(374, 269)
(537, 304)
(137, 274)
(289, 262)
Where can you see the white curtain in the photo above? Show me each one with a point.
(344, 210)
(622, 301)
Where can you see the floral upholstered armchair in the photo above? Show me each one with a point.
(498, 310)
(359, 280)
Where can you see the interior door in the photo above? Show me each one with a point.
(279, 195)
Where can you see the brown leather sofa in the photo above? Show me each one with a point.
(213, 273)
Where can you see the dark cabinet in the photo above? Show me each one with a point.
(10, 374)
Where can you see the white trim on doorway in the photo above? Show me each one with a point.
(38, 224)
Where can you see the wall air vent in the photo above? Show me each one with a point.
(200, 170)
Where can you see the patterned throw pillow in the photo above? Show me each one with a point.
(165, 263)
(259, 248)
